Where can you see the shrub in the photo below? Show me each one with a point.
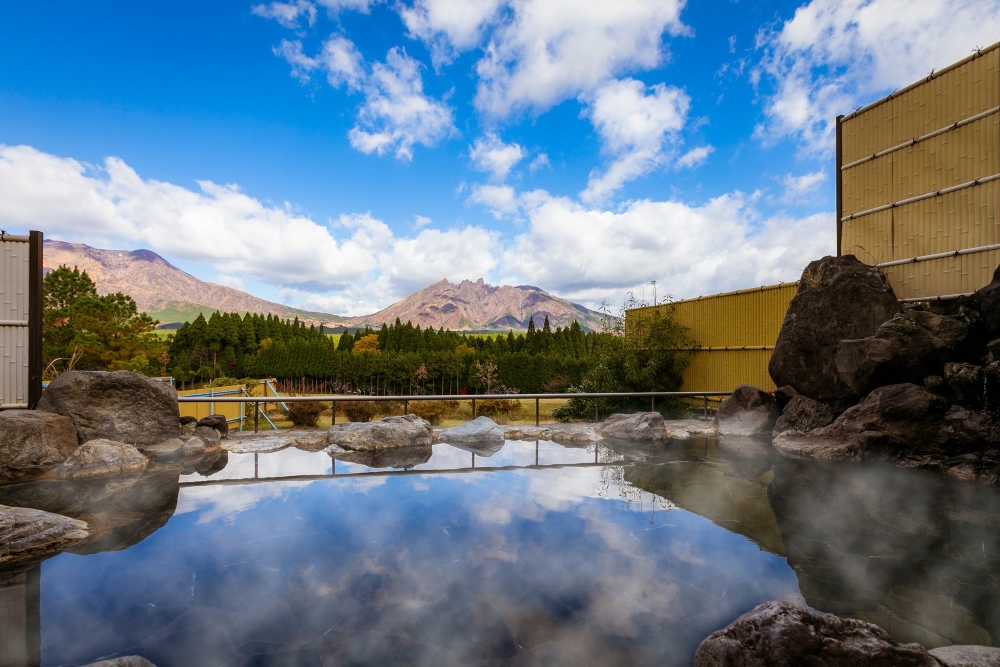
(360, 411)
(305, 414)
(432, 411)
(499, 409)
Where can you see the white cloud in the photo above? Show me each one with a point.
(490, 154)
(797, 187)
(540, 161)
(552, 50)
(302, 65)
(501, 200)
(590, 254)
(396, 113)
(421, 221)
(287, 13)
(835, 55)
(694, 157)
(448, 27)
(638, 126)
(337, 6)
(343, 62)
(356, 264)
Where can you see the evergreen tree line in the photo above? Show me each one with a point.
(395, 359)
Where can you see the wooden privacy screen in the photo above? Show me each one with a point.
(734, 334)
(20, 320)
(894, 159)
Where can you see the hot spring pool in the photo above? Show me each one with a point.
(536, 554)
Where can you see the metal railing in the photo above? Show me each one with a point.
(405, 400)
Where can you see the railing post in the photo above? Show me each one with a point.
(706, 408)
(597, 413)
(406, 407)
(536, 422)
(333, 413)
(473, 408)
(256, 416)
(652, 403)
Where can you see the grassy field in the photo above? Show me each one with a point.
(460, 415)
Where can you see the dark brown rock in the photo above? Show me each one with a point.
(987, 302)
(33, 442)
(907, 348)
(120, 405)
(803, 414)
(218, 422)
(748, 411)
(208, 434)
(838, 298)
(902, 422)
(780, 634)
(975, 386)
(782, 395)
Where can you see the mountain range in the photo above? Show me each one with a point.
(172, 296)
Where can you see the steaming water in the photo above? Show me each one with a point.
(536, 554)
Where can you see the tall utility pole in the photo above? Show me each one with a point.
(653, 283)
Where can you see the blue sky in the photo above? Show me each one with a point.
(339, 154)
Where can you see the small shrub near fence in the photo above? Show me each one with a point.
(360, 411)
(433, 411)
(305, 414)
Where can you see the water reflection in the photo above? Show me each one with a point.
(534, 554)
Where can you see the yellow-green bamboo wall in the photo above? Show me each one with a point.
(962, 219)
(722, 325)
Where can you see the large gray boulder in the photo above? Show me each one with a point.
(478, 431)
(635, 426)
(803, 414)
(780, 634)
(907, 348)
(387, 433)
(27, 535)
(748, 411)
(33, 442)
(838, 298)
(967, 656)
(901, 422)
(119, 405)
(101, 458)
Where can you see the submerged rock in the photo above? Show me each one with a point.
(748, 411)
(99, 458)
(387, 433)
(257, 444)
(403, 457)
(478, 431)
(803, 414)
(33, 442)
(967, 656)
(907, 348)
(636, 426)
(174, 449)
(218, 422)
(782, 634)
(566, 434)
(119, 405)
(124, 661)
(28, 535)
(838, 298)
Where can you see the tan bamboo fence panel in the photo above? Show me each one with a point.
(734, 333)
(199, 410)
(924, 153)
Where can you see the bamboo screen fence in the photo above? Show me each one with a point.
(734, 335)
(919, 174)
